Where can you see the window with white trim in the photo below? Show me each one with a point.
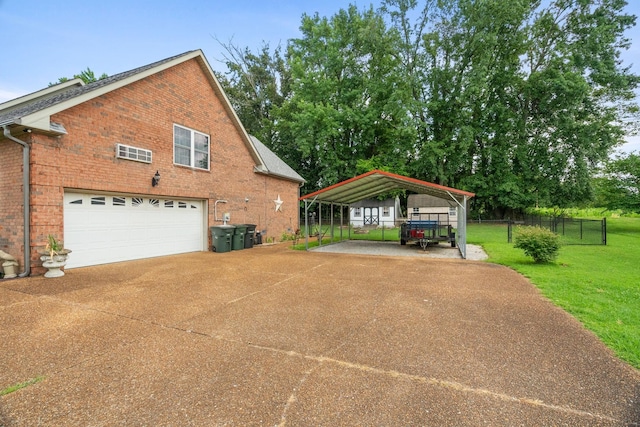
(357, 212)
(386, 211)
(190, 148)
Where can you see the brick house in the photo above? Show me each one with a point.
(93, 150)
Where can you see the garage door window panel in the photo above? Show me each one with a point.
(190, 147)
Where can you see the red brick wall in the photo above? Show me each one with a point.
(142, 114)
(11, 201)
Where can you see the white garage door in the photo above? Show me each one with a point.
(101, 229)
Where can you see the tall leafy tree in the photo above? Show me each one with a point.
(515, 100)
(519, 102)
(574, 91)
(618, 187)
(345, 105)
(256, 84)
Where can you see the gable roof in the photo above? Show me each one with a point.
(274, 164)
(34, 111)
(378, 182)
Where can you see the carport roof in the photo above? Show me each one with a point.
(378, 182)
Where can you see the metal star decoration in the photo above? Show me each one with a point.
(278, 203)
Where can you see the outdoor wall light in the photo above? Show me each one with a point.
(156, 179)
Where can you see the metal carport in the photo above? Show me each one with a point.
(377, 182)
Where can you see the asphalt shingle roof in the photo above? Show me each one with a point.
(274, 164)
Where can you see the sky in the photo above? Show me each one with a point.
(44, 40)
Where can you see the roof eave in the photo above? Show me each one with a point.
(264, 171)
(44, 126)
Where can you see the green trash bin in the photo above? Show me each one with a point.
(248, 236)
(221, 238)
(238, 237)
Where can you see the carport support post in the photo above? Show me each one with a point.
(319, 223)
(349, 230)
(306, 220)
(341, 220)
(331, 222)
(306, 225)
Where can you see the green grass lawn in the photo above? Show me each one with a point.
(599, 285)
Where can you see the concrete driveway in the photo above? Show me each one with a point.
(274, 337)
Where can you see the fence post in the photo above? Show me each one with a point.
(604, 231)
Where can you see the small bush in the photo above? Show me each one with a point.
(539, 243)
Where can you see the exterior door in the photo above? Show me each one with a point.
(371, 216)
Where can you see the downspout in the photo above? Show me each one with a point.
(26, 171)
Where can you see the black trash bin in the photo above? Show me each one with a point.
(248, 236)
(258, 240)
(221, 237)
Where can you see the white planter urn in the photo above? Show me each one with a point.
(55, 263)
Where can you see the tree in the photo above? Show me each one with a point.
(255, 84)
(345, 104)
(619, 185)
(86, 76)
(517, 101)
(573, 93)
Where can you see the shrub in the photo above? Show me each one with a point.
(539, 243)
